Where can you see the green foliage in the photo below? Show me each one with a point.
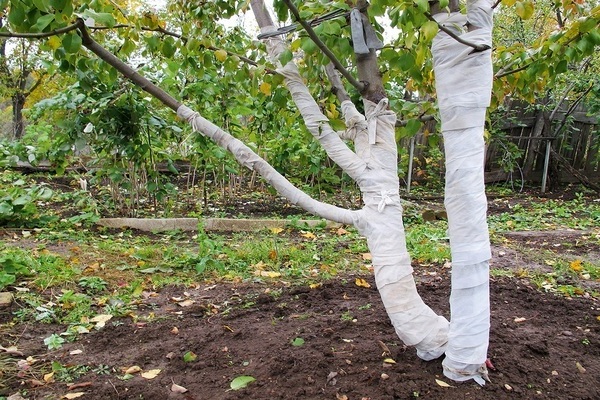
(18, 203)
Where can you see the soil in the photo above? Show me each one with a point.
(334, 341)
(542, 346)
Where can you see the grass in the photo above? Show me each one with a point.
(68, 270)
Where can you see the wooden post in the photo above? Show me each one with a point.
(546, 164)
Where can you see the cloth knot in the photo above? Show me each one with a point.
(388, 197)
(380, 109)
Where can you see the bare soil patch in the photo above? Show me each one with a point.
(543, 346)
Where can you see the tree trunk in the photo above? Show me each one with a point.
(18, 102)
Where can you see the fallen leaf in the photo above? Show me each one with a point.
(442, 383)
(49, 378)
(178, 389)
(101, 320)
(276, 230)
(190, 356)
(580, 367)
(362, 283)
(341, 231)
(297, 342)
(384, 376)
(520, 319)
(79, 385)
(12, 350)
(508, 387)
(308, 235)
(186, 303)
(175, 330)
(75, 352)
(386, 350)
(268, 274)
(341, 396)
(318, 285)
(576, 265)
(273, 255)
(389, 361)
(367, 256)
(241, 382)
(331, 377)
(150, 374)
(73, 395)
(131, 370)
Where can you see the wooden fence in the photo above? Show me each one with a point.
(573, 134)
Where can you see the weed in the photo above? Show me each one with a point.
(93, 284)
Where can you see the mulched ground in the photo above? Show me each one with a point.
(542, 346)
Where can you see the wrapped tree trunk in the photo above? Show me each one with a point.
(463, 85)
(374, 168)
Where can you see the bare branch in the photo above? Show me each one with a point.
(40, 35)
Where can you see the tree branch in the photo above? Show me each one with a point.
(125, 69)
(476, 47)
(41, 35)
(328, 53)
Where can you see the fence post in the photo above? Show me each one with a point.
(546, 164)
(411, 153)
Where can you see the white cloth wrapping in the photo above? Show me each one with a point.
(463, 85)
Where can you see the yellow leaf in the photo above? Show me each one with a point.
(442, 383)
(131, 370)
(367, 256)
(49, 378)
(268, 274)
(598, 317)
(54, 42)
(73, 395)
(576, 265)
(318, 285)
(265, 88)
(276, 231)
(101, 320)
(362, 283)
(341, 231)
(308, 235)
(389, 361)
(221, 55)
(151, 374)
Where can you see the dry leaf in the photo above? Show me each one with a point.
(101, 320)
(520, 319)
(12, 350)
(73, 395)
(367, 256)
(580, 367)
(389, 361)
(276, 230)
(175, 330)
(178, 389)
(341, 231)
(186, 303)
(362, 283)
(341, 396)
(576, 265)
(507, 387)
(442, 383)
(75, 352)
(308, 235)
(151, 374)
(268, 274)
(131, 370)
(49, 378)
(318, 285)
(273, 255)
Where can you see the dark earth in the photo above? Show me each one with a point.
(333, 341)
